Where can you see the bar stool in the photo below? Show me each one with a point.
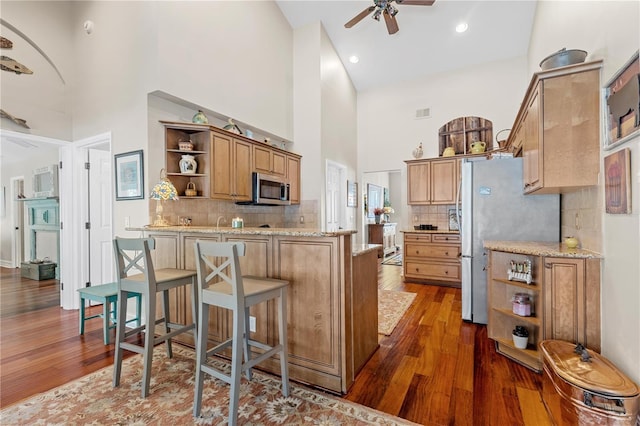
(224, 286)
(107, 294)
(134, 254)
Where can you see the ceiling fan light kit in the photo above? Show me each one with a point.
(388, 11)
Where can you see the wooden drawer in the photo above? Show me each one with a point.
(441, 271)
(431, 250)
(423, 238)
(446, 238)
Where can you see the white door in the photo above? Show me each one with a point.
(335, 202)
(100, 218)
(17, 191)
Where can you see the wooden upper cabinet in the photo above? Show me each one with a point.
(418, 183)
(226, 162)
(231, 175)
(444, 181)
(293, 175)
(558, 129)
(243, 156)
(267, 160)
(432, 181)
(532, 148)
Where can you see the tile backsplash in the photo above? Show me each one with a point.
(205, 212)
(431, 215)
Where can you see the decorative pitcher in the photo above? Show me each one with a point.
(188, 164)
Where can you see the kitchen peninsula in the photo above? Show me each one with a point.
(331, 329)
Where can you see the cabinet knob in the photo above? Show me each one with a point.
(446, 272)
(446, 253)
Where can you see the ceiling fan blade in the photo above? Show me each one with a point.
(417, 2)
(392, 24)
(359, 17)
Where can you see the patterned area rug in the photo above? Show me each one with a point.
(393, 260)
(391, 307)
(92, 400)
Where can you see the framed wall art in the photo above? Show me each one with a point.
(622, 103)
(129, 175)
(352, 194)
(617, 182)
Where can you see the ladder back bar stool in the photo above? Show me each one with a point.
(220, 283)
(134, 255)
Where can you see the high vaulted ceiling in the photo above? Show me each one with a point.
(426, 42)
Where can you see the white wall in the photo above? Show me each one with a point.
(608, 30)
(230, 57)
(325, 114)
(388, 131)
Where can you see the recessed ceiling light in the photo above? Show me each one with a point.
(354, 59)
(462, 27)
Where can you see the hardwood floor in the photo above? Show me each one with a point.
(434, 369)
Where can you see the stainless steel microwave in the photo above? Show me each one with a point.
(268, 190)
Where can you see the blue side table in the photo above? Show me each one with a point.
(107, 294)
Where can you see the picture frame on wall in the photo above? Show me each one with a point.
(622, 97)
(129, 175)
(352, 194)
(617, 182)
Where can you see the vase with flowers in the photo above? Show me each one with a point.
(377, 212)
(387, 211)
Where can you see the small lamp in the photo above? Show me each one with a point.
(162, 191)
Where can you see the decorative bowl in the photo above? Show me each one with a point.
(562, 58)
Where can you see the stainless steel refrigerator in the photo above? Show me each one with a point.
(492, 207)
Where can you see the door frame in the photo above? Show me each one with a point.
(341, 205)
(74, 243)
(17, 212)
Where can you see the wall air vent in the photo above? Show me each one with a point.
(423, 113)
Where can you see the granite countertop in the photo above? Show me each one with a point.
(360, 249)
(425, 231)
(537, 248)
(291, 232)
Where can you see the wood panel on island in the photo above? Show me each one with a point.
(331, 332)
(225, 162)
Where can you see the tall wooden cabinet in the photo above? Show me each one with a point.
(557, 130)
(564, 292)
(231, 160)
(433, 181)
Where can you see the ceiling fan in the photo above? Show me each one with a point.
(386, 9)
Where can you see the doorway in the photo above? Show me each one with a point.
(336, 197)
(17, 235)
(392, 195)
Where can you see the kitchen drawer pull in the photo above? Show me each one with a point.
(446, 253)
